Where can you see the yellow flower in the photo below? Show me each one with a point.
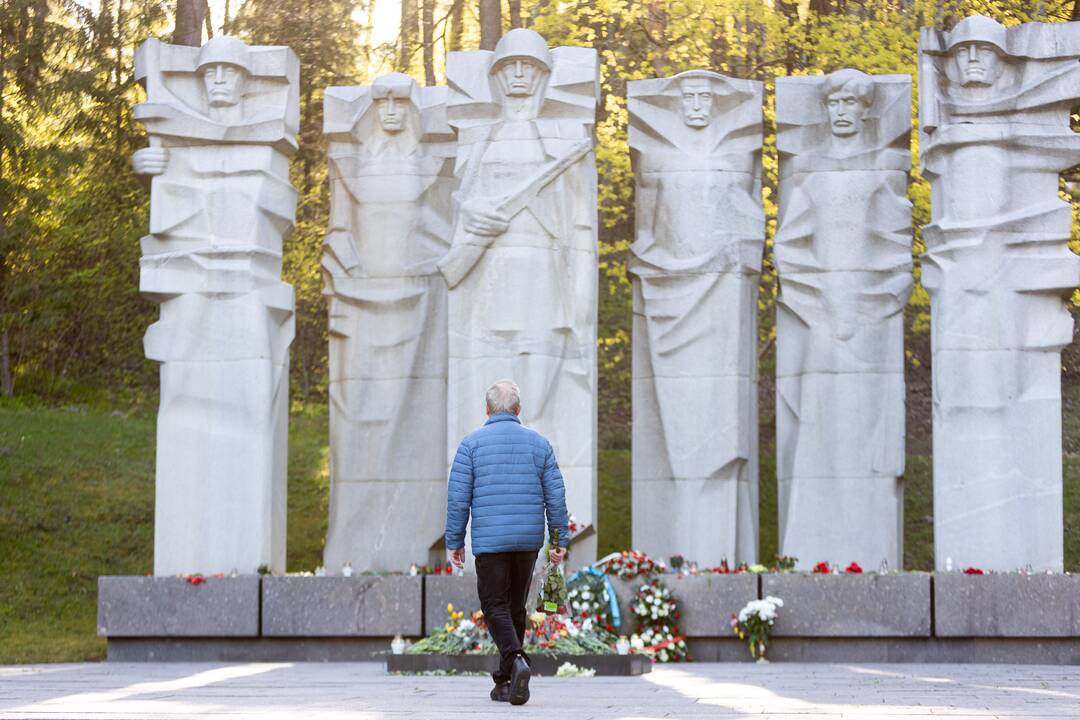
(563, 633)
(450, 608)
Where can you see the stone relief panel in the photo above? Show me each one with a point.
(522, 267)
(843, 254)
(222, 121)
(995, 108)
(695, 142)
(391, 180)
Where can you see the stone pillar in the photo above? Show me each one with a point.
(391, 178)
(994, 113)
(843, 254)
(695, 141)
(522, 269)
(222, 122)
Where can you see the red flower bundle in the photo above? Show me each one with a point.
(822, 568)
(973, 571)
(853, 568)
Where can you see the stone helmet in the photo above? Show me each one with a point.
(224, 50)
(521, 43)
(978, 28)
(399, 85)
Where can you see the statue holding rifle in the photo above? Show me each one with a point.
(522, 267)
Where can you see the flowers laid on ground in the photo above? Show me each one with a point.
(973, 571)
(195, 579)
(662, 644)
(568, 669)
(754, 623)
(822, 568)
(784, 563)
(658, 615)
(853, 569)
(560, 635)
(630, 564)
(547, 635)
(459, 636)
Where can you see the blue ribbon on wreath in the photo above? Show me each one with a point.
(613, 600)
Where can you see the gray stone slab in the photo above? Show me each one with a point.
(851, 605)
(1012, 605)
(706, 601)
(358, 606)
(441, 590)
(1016, 651)
(259, 649)
(172, 607)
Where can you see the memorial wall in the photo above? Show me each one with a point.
(462, 249)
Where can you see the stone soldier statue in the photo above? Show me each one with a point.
(695, 142)
(843, 253)
(222, 122)
(391, 178)
(522, 270)
(994, 109)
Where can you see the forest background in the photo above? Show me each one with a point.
(72, 319)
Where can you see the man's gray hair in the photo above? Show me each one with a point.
(503, 396)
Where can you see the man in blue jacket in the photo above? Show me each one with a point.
(506, 476)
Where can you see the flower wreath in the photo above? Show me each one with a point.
(590, 601)
(658, 615)
(654, 603)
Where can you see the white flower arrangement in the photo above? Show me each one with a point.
(754, 623)
(654, 602)
(589, 602)
(764, 610)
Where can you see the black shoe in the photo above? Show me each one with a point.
(501, 692)
(519, 681)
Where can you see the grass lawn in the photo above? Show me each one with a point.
(76, 502)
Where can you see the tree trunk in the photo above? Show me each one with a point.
(429, 41)
(190, 15)
(410, 27)
(457, 24)
(1075, 14)
(515, 13)
(656, 20)
(6, 381)
(490, 23)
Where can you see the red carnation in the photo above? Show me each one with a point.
(853, 568)
(822, 568)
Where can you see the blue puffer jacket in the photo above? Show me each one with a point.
(507, 476)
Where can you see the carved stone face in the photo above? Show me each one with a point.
(224, 84)
(846, 113)
(697, 100)
(520, 77)
(391, 114)
(978, 64)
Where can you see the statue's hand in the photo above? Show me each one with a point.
(483, 219)
(150, 161)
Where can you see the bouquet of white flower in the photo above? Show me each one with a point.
(754, 623)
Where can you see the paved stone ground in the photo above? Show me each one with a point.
(363, 691)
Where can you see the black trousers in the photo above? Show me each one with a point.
(502, 582)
